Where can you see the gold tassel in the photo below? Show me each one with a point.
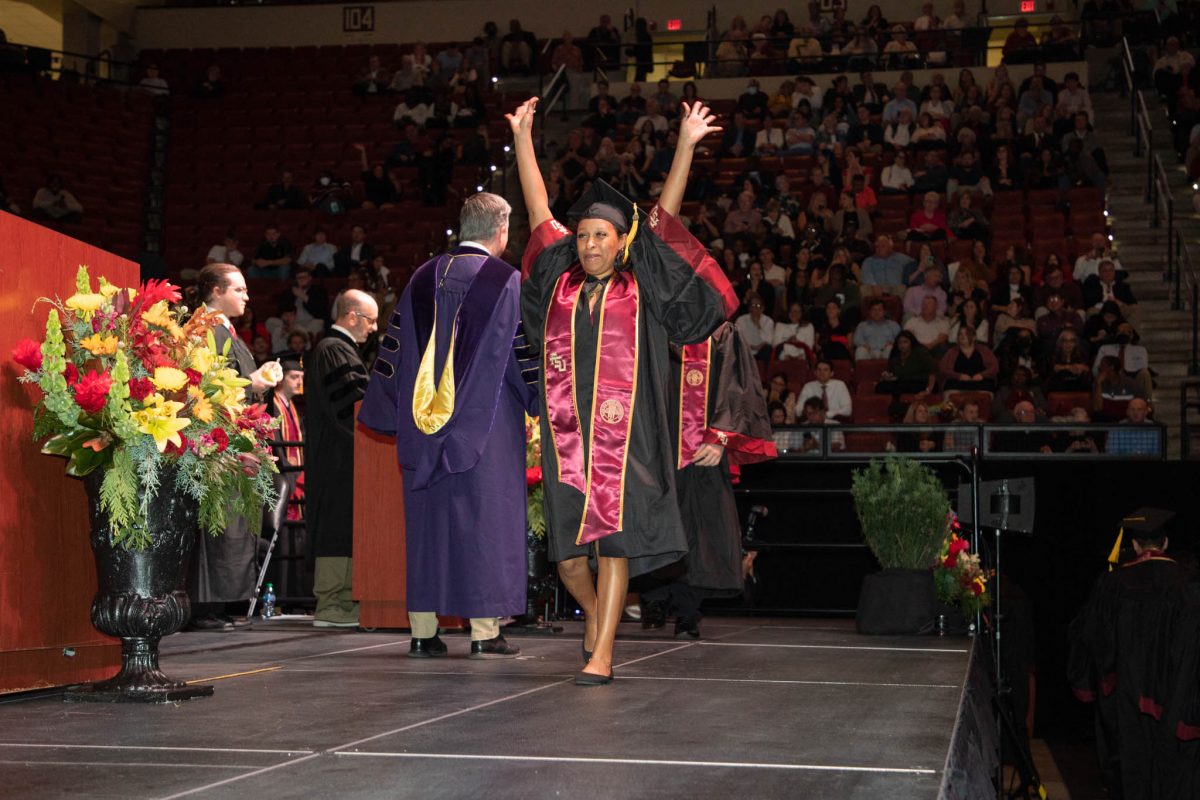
(1115, 556)
(633, 229)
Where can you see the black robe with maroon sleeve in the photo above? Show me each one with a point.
(683, 297)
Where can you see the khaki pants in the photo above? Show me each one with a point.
(424, 626)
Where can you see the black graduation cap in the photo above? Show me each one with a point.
(291, 362)
(1144, 524)
(602, 201)
(1148, 523)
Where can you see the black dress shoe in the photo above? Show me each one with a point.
(654, 615)
(591, 679)
(686, 630)
(494, 648)
(236, 622)
(432, 647)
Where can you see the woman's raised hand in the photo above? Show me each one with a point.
(521, 120)
(696, 123)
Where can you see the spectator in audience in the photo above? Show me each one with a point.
(969, 366)
(1106, 286)
(970, 315)
(896, 178)
(910, 369)
(1086, 163)
(795, 338)
(211, 85)
(901, 132)
(1013, 285)
(374, 79)
(977, 267)
(902, 52)
(928, 20)
(800, 137)
(1019, 42)
(850, 225)
(415, 108)
(753, 102)
(285, 194)
(1101, 328)
(931, 175)
(272, 257)
(926, 441)
(226, 252)
(53, 201)
(260, 348)
(931, 328)
(966, 222)
(874, 336)
(815, 415)
(803, 50)
(667, 101)
(928, 223)
(357, 253)
(1017, 388)
(516, 50)
(1112, 389)
(330, 195)
(318, 255)
(930, 286)
(835, 331)
(1053, 280)
(958, 18)
(745, 219)
(884, 271)
(830, 391)
(738, 140)
(1023, 413)
(964, 438)
(838, 290)
(248, 328)
(302, 306)
(655, 116)
(1074, 98)
(899, 102)
(874, 21)
(757, 329)
(779, 393)
(379, 188)
(1014, 316)
(604, 43)
(1057, 318)
(1170, 68)
(1133, 359)
(928, 134)
(153, 82)
(1074, 441)
(1088, 264)
(1070, 368)
(967, 174)
(569, 57)
(1138, 435)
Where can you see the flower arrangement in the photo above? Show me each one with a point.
(957, 574)
(129, 386)
(901, 506)
(533, 477)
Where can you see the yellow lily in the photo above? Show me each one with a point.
(157, 419)
(99, 345)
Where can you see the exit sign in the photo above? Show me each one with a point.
(674, 24)
(1028, 6)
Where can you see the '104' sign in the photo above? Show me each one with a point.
(358, 19)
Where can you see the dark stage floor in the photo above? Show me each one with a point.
(759, 709)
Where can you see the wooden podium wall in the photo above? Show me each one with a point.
(47, 574)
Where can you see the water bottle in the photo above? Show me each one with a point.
(268, 602)
(941, 624)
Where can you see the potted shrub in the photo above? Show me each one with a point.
(902, 508)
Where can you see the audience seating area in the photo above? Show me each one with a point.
(97, 139)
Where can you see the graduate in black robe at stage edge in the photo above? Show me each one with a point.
(602, 334)
(719, 422)
(1134, 654)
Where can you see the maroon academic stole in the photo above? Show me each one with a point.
(602, 480)
(693, 399)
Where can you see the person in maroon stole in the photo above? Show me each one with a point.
(601, 306)
(718, 422)
(450, 385)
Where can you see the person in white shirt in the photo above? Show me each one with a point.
(815, 415)
(318, 252)
(227, 252)
(790, 335)
(958, 19)
(832, 391)
(654, 115)
(153, 83)
(1088, 264)
(928, 21)
(774, 274)
(769, 140)
(1073, 98)
(807, 90)
(757, 330)
(931, 329)
(1133, 357)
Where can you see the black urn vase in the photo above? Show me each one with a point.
(896, 602)
(139, 599)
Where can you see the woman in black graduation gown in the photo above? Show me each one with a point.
(603, 334)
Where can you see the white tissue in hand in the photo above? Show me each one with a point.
(272, 372)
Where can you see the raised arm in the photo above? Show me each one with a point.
(537, 203)
(695, 123)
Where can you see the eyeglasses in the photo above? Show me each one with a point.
(372, 320)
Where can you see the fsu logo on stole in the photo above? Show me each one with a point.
(694, 377)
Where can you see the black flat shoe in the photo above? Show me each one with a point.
(209, 623)
(589, 679)
(433, 647)
(587, 654)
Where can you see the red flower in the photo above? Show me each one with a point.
(193, 376)
(220, 439)
(71, 373)
(91, 391)
(950, 561)
(958, 545)
(254, 418)
(28, 354)
(140, 388)
(976, 589)
(173, 449)
(533, 476)
(154, 290)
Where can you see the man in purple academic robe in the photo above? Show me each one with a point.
(451, 385)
